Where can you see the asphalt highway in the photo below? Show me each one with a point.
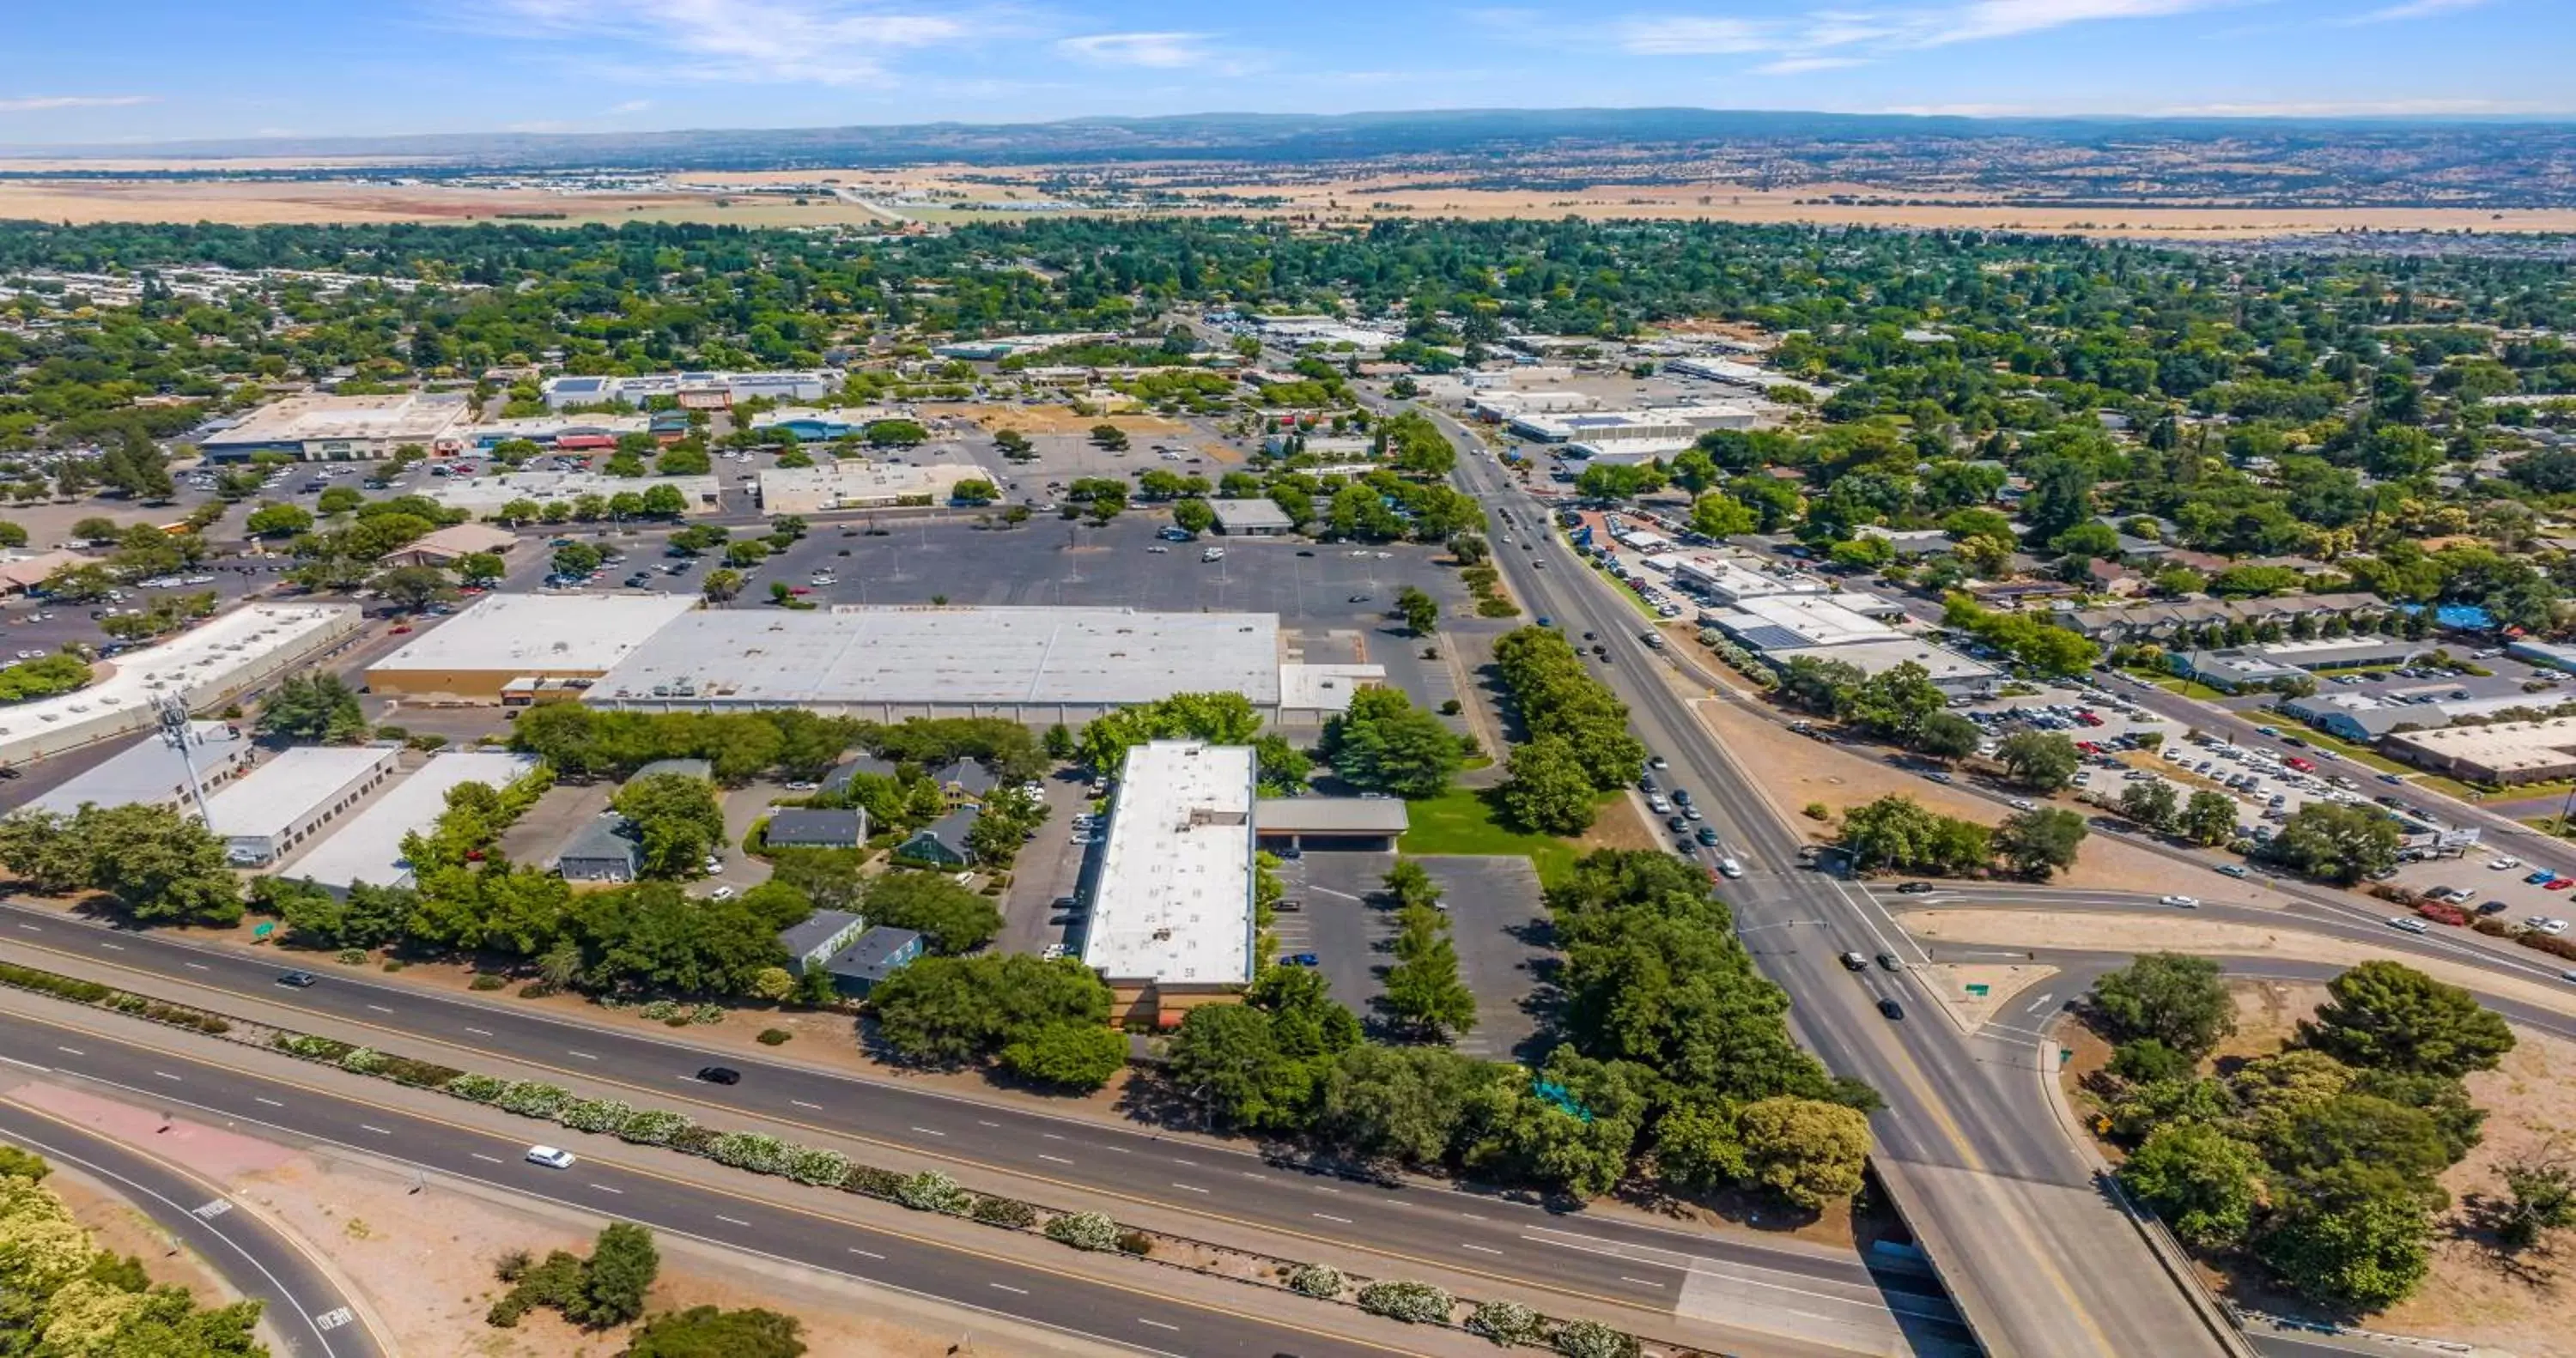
(1603, 1258)
(1135, 1317)
(2040, 1261)
(300, 1304)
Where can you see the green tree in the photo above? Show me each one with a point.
(2153, 803)
(1720, 515)
(974, 490)
(1068, 1054)
(2042, 761)
(1422, 988)
(412, 588)
(2340, 844)
(339, 500)
(677, 821)
(1421, 612)
(949, 917)
(1546, 790)
(2205, 1184)
(273, 520)
(1386, 744)
(621, 1268)
(576, 558)
(2039, 842)
(481, 569)
(2208, 818)
(1807, 1151)
(721, 585)
(2540, 1197)
(2168, 997)
(1193, 515)
(2353, 1238)
(2384, 1015)
(312, 706)
(1947, 735)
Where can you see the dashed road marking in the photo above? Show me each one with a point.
(738, 1221)
(1008, 1288)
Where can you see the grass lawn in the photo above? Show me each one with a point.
(1464, 820)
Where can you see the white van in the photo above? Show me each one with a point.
(1213, 554)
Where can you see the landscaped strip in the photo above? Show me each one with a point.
(1504, 1322)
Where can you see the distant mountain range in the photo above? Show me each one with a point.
(1289, 138)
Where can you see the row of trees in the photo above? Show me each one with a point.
(61, 1294)
(1900, 705)
(1576, 739)
(2322, 1161)
(1900, 834)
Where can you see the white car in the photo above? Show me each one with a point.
(722, 893)
(1730, 868)
(2180, 902)
(2024, 804)
(550, 1157)
(2505, 864)
(2547, 925)
(713, 864)
(1052, 952)
(1159, 549)
(2409, 923)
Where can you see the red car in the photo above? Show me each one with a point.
(799, 589)
(2558, 883)
(399, 629)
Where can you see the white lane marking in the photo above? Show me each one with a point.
(32, 928)
(165, 1075)
(371, 1127)
(334, 1318)
(480, 1032)
(586, 1056)
(606, 1189)
(196, 966)
(1057, 1158)
(42, 1070)
(982, 1123)
(262, 1098)
(1191, 1187)
(1008, 1288)
(211, 1210)
(1473, 1217)
(925, 1131)
(1641, 1282)
(803, 1104)
(113, 947)
(872, 1254)
(1179, 1161)
(1051, 1136)
(492, 1158)
(1122, 1150)
(1250, 1175)
(738, 1221)
(2041, 1003)
(1329, 1217)
(1158, 1325)
(1480, 1249)
(1325, 1188)
(380, 1009)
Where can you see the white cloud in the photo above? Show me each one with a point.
(2414, 9)
(2005, 18)
(40, 103)
(1802, 65)
(827, 42)
(1688, 36)
(631, 106)
(1826, 39)
(1160, 50)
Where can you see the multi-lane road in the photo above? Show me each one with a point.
(2041, 1262)
(1746, 1287)
(300, 1304)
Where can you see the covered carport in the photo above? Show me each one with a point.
(1349, 824)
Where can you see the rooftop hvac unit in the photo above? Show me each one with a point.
(1162, 935)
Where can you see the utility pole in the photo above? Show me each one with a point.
(170, 715)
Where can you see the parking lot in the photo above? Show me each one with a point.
(2478, 878)
(1496, 923)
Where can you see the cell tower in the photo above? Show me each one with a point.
(178, 731)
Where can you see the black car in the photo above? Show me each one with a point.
(1706, 835)
(1681, 796)
(297, 979)
(1303, 551)
(1891, 1009)
(1679, 825)
(720, 1075)
(1358, 599)
(1914, 888)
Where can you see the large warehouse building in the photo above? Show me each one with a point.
(887, 663)
(214, 662)
(339, 428)
(475, 654)
(272, 810)
(1172, 916)
(369, 848)
(2506, 753)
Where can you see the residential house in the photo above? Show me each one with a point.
(966, 782)
(942, 843)
(603, 851)
(812, 943)
(875, 955)
(808, 828)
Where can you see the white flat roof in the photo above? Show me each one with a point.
(1818, 620)
(830, 484)
(199, 662)
(1325, 688)
(1878, 657)
(1249, 513)
(417, 416)
(275, 796)
(1174, 900)
(952, 656)
(369, 847)
(539, 633)
(484, 494)
(2506, 747)
(150, 772)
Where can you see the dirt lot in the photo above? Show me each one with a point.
(1800, 771)
(2181, 931)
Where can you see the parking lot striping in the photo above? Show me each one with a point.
(1008, 1288)
(871, 1254)
(738, 1221)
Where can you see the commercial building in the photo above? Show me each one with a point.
(1172, 916)
(474, 655)
(2141, 622)
(207, 665)
(2236, 668)
(2546, 654)
(154, 773)
(1731, 580)
(2506, 753)
(369, 848)
(1949, 671)
(697, 390)
(2366, 717)
(1310, 695)
(24, 571)
(855, 483)
(1003, 346)
(446, 546)
(483, 496)
(271, 811)
(569, 433)
(886, 663)
(605, 850)
(1788, 622)
(326, 428)
(1251, 518)
(1355, 824)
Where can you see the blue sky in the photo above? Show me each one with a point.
(129, 70)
